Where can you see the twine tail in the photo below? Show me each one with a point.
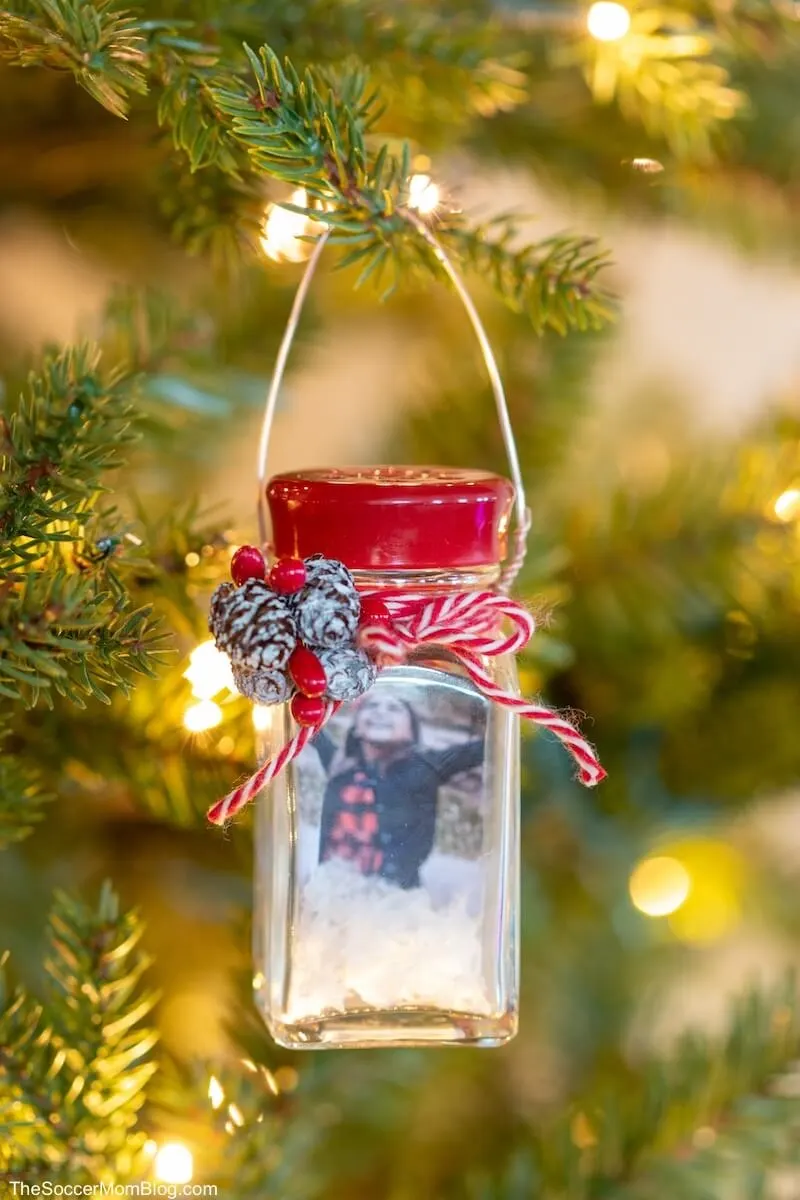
(590, 770)
(240, 797)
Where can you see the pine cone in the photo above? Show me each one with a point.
(263, 686)
(327, 608)
(216, 609)
(253, 626)
(349, 671)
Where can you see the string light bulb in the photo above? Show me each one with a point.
(209, 671)
(423, 194)
(283, 230)
(202, 716)
(659, 885)
(173, 1163)
(608, 21)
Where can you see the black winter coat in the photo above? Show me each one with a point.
(382, 817)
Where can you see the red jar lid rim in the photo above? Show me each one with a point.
(392, 517)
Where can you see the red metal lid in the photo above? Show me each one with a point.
(384, 518)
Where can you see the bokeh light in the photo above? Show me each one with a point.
(697, 883)
(202, 716)
(608, 22)
(215, 1092)
(659, 886)
(714, 907)
(236, 1115)
(262, 717)
(787, 506)
(423, 194)
(173, 1163)
(209, 671)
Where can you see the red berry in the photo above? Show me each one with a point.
(248, 563)
(287, 575)
(374, 611)
(307, 710)
(307, 672)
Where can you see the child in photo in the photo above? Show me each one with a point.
(381, 792)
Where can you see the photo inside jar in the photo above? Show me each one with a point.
(391, 854)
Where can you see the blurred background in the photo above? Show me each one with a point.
(662, 459)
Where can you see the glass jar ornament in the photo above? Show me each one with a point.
(382, 643)
(387, 861)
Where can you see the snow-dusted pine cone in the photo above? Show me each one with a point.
(263, 686)
(219, 600)
(327, 608)
(252, 625)
(349, 671)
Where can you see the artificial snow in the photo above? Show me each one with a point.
(362, 942)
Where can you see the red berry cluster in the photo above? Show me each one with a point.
(288, 575)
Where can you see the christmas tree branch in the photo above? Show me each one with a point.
(61, 438)
(113, 53)
(715, 1110)
(309, 133)
(21, 795)
(553, 282)
(463, 58)
(102, 47)
(666, 75)
(670, 73)
(73, 1070)
(66, 625)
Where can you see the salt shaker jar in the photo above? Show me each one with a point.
(387, 856)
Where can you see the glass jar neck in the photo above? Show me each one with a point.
(445, 579)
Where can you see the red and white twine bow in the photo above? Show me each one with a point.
(470, 626)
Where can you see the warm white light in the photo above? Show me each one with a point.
(215, 1093)
(283, 230)
(236, 1114)
(607, 21)
(262, 717)
(209, 671)
(174, 1163)
(202, 716)
(659, 886)
(423, 194)
(787, 506)
(150, 1148)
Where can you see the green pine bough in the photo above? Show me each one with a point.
(67, 626)
(74, 1066)
(257, 118)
